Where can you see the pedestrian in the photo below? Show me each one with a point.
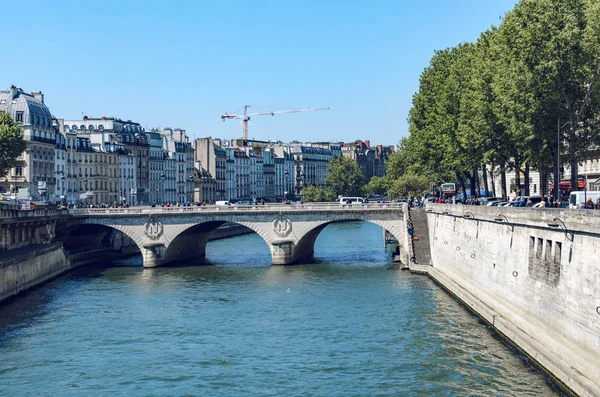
(529, 202)
(598, 204)
(589, 205)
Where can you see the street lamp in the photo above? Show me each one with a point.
(162, 178)
(287, 176)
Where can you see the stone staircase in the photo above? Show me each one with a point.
(422, 249)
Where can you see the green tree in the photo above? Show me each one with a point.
(11, 142)
(345, 178)
(550, 70)
(409, 185)
(377, 185)
(312, 193)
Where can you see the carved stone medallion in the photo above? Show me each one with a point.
(153, 228)
(282, 226)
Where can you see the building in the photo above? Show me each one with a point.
(213, 158)
(370, 160)
(311, 164)
(134, 140)
(205, 186)
(35, 173)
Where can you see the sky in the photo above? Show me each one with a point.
(183, 64)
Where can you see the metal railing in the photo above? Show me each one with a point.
(308, 207)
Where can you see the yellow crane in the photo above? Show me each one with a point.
(246, 116)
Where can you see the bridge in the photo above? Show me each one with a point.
(165, 235)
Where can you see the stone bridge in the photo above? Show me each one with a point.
(166, 235)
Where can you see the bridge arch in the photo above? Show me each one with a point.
(191, 241)
(93, 235)
(305, 246)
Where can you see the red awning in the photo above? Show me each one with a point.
(566, 185)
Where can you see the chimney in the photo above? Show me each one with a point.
(39, 96)
(368, 144)
(391, 148)
(13, 91)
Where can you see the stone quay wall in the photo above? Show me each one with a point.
(28, 267)
(533, 275)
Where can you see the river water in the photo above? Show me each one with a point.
(349, 324)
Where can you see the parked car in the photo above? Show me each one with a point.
(243, 203)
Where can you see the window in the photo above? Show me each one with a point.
(19, 117)
(18, 170)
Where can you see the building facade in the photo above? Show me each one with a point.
(34, 176)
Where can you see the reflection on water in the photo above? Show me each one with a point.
(347, 324)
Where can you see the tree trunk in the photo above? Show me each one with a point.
(527, 192)
(461, 180)
(485, 181)
(478, 186)
(503, 179)
(517, 177)
(471, 183)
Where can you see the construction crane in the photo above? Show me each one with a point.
(246, 116)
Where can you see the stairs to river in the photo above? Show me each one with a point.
(421, 247)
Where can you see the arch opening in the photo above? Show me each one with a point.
(218, 242)
(348, 240)
(95, 243)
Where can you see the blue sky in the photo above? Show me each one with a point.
(183, 65)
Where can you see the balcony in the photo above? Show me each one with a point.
(43, 140)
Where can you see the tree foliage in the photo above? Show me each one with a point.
(345, 177)
(312, 193)
(377, 185)
(408, 186)
(11, 142)
(498, 101)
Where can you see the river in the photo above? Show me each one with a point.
(349, 324)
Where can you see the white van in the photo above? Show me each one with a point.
(352, 200)
(222, 203)
(577, 199)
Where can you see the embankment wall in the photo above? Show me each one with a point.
(534, 274)
(31, 266)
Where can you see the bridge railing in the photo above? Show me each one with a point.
(236, 208)
(27, 214)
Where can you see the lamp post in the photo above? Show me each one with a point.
(62, 182)
(162, 178)
(285, 188)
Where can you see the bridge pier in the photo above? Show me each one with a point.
(153, 255)
(282, 252)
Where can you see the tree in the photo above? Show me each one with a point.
(11, 142)
(345, 178)
(377, 185)
(409, 185)
(550, 71)
(312, 193)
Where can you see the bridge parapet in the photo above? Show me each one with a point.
(308, 207)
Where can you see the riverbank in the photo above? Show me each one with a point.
(30, 266)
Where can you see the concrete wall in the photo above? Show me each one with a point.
(24, 270)
(528, 279)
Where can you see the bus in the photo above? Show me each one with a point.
(448, 189)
